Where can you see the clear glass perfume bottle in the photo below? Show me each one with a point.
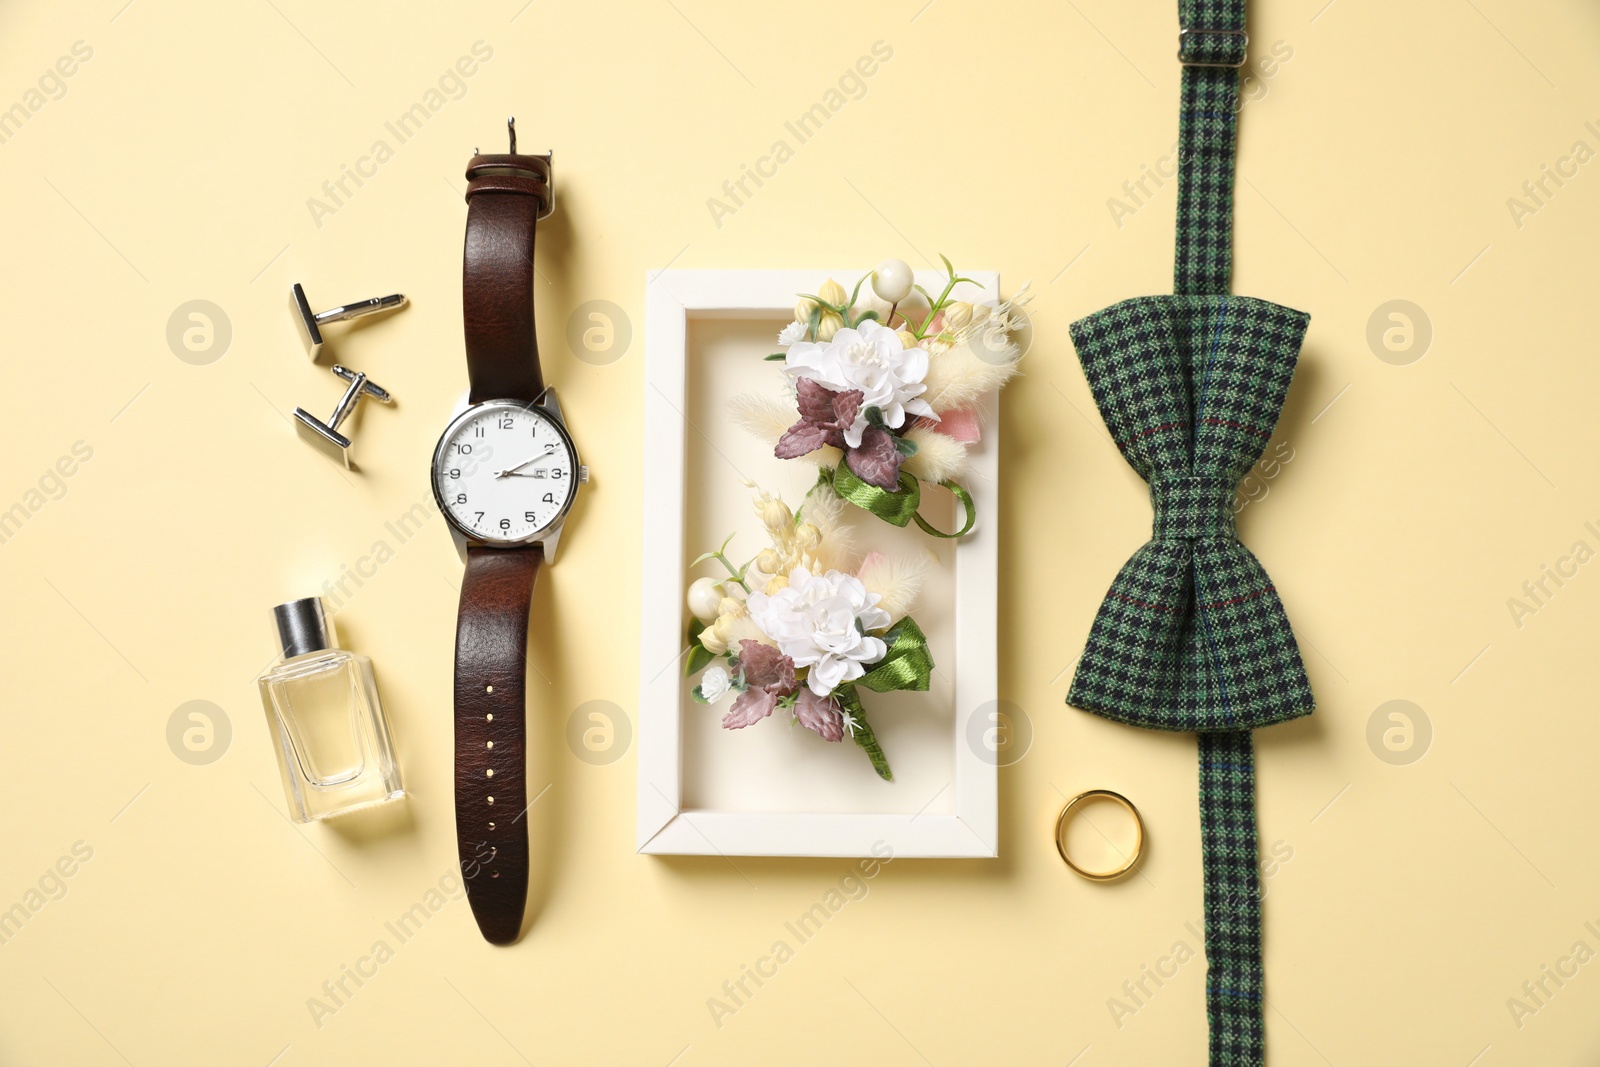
(326, 721)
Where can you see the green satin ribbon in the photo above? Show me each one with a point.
(907, 666)
(900, 506)
(862, 731)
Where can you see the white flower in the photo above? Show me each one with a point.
(714, 684)
(795, 331)
(872, 358)
(822, 621)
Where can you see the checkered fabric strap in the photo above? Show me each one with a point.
(1211, 46)
(1233, 899)
(1192, 635)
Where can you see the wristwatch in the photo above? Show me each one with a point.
(505, 473)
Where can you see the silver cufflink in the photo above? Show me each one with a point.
(325, 436)
(309, 323)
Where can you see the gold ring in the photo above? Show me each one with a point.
(1061, 834)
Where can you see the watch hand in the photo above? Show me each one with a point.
(527, 462)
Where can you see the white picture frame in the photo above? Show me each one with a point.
(961, 818)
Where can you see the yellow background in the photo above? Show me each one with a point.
(176, 166)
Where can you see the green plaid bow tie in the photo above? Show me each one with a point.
(1192, 635)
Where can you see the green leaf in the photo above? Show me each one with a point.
(948, 269)
(699, 697)
(857, 290)
(700, 658)
(870, 313)
(775, 356)
(924, 292)
(821, 303)
(702, 557)
(907, 447)
(814, 319)
(874, 416)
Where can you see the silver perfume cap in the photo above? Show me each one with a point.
(303, 627)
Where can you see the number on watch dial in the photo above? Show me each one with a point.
(504, 472)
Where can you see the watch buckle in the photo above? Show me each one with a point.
(549, 160)
(548, 207)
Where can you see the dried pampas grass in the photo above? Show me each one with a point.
(938, 457)
(767, 418)
(824, 509)
(983, 357)
(896, 579)
(959, 376)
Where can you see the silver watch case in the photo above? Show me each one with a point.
(548, 405)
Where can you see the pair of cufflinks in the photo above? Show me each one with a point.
(325, 436)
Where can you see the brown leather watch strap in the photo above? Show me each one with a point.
(506, 197)
(491, 735)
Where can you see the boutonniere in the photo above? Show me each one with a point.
(886, 391)
(801, 626)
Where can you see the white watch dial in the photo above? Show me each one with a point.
(504, 472)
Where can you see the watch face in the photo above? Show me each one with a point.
(503, 472)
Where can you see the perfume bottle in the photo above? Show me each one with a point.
(327, 725)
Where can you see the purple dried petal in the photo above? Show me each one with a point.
(801, 438)
(751, 707)
(824, 416)
(765, 667)
(845, 407)
(815, 400)
(819, 714)
(877, 461)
